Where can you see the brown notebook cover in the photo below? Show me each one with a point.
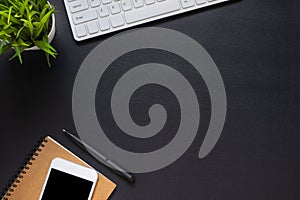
(29, 183)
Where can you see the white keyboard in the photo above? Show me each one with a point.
(91, 18)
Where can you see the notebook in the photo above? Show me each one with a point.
(29, 182)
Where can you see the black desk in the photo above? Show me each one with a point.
(255, 45)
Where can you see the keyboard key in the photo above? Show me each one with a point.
(92, 27)
(126, 5)
(138, 3)
(116, 20)
(80, 30)
(104, 24)
(78, 5)
(148, 2)
(115, 8)
(85, 16)
(95, 3)
(187, 3)
(103, 11)
(106, 1)
(200, 2)
(151, 11)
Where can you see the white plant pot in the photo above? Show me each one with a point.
(50, 35)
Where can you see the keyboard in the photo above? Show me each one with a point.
(92, 18)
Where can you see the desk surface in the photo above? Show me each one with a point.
(255, 45)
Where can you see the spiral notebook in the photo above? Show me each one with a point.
(29, 182)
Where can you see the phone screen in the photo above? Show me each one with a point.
(62, 186)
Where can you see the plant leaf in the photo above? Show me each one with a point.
(9, 15)
(23, 6)
(29, 25)
(12, 18)
(18, 53)
(42, 23)
(4, 47)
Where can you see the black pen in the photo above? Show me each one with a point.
(100, 157)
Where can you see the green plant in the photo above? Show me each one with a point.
(23, 24)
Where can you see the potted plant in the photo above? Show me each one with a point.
(27, 25)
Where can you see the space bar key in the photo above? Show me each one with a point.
(151, 11)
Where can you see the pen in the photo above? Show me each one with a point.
(100, 157)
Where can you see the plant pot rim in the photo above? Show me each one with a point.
(50, 35)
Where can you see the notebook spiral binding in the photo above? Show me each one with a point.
(13, 184)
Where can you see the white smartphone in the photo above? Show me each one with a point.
(67, 180)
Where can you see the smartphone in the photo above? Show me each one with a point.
(67, 180)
